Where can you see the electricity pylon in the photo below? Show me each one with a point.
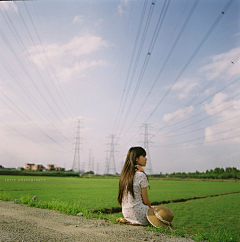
(148, 168)
(90, 160)
(76, 159)
(110, 164)
(97, 168)
(93, 164)
(106, 167)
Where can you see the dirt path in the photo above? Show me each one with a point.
(23, 223)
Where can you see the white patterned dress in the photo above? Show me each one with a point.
(133, 209)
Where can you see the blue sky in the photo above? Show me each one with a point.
(117, 66)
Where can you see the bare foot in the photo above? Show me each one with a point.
(123, 220)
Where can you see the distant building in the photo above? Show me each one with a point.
(59, 169)
(38, 168)
(28, 167)
(50, 167)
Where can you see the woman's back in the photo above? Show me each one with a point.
(133, 208)
(139, 181)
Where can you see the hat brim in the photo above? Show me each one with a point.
(154, 221)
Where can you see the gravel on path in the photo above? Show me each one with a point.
(29, 224)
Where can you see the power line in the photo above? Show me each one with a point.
(213, 26)
(181, 121)
(166, 61)
(175, 135)
(54, 73)
(231, 83)
(49, 64)
(167, 124)
(24, 116)
(197, 121)
(150, 50)
(23, 87)
(202, 137)
(43, 82)
(121, 70)
(26, 72)
(130, 66)
(25, 136)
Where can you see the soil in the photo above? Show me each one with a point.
(27, 224)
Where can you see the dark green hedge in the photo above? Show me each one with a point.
(36, 173)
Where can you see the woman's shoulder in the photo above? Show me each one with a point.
(140, 174)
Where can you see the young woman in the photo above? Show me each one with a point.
(132, 193)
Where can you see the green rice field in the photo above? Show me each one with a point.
(211, 217)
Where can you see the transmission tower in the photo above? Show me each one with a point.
(110, 164)
(90, 160)
(97, 168)
(106, 167)
(148, 168)
(76, 159)
(83, 167)
(92, 164)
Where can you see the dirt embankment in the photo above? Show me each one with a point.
(27, 224)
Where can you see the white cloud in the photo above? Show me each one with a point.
(77, 70)
(79, 45)
(217, 104)
(8, 6)
(184, 87)
(65, 59)
(78, 19)
(178, 114)
(228, 119)
(209, 90)
(217, 64)
(122, 7)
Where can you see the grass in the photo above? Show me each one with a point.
(213, 235)
(102, 193)
(209, 219)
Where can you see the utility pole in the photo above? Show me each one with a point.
(148, 168)
(76, 159)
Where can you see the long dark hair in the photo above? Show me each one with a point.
(128, 172)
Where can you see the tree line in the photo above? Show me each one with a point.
(217, 173)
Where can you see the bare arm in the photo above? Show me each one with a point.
(145, 197)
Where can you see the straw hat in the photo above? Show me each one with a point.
(162, 216)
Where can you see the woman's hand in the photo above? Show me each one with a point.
(154, 207)
(139, 168)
